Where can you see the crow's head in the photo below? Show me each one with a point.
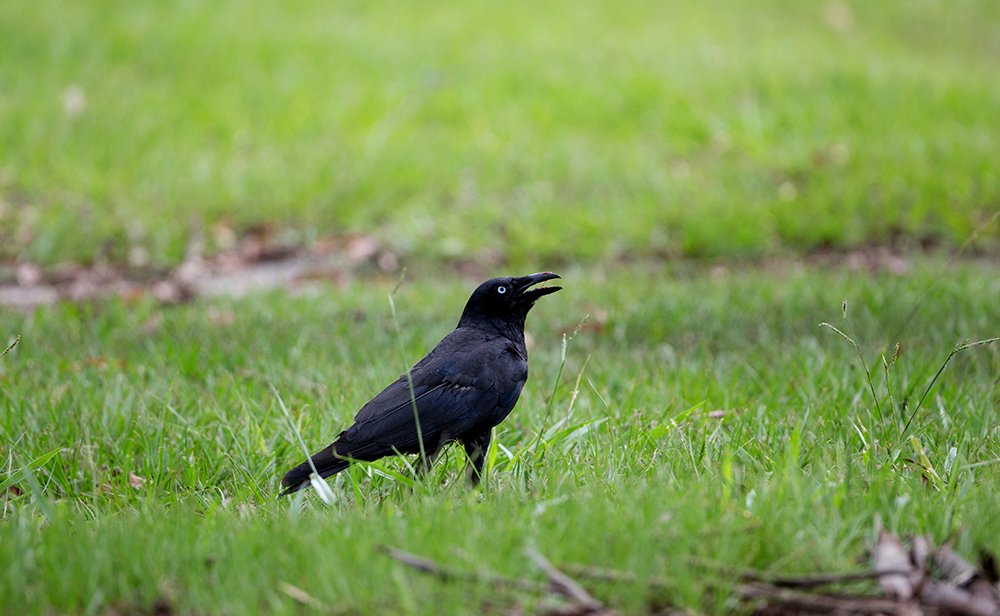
(505, 300)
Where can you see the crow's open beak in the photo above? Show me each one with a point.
(525, 293)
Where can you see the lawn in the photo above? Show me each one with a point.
(699, 416)
(713, 180)
(515, 133)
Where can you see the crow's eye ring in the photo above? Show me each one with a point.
(501, 290)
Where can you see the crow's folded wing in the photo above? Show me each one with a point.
(461, 384)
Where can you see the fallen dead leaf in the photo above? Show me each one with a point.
(387, 261)
(951, 567)
(168, 292)
(28, 274)
(361, 248)
(890, 555)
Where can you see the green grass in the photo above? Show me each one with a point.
(631, 472)
(522, 132)
(142, 445)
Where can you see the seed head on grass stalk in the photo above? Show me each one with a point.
(11, 345)
(955, 351)
(861, 356)
(885, 365)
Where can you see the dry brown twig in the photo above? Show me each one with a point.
(581, 603)
(442, 572)
(565, 586)
(913, 579)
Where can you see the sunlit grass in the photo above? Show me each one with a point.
(698, 417)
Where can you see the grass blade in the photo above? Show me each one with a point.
(955, 351)
(11, 345)
(315, 480)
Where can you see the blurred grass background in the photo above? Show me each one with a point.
(518, 132)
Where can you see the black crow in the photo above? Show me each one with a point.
(467, 384)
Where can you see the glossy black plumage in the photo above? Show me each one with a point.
(465, 386)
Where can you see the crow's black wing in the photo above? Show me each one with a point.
(467, 380)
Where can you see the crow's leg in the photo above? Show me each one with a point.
(476, 447)
(433, 445)
(426, 462)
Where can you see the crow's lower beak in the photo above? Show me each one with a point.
(523, 286)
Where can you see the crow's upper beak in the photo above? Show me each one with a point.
(525, 293)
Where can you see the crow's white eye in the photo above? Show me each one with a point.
(501, 290)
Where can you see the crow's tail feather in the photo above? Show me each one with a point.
(327, 463)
